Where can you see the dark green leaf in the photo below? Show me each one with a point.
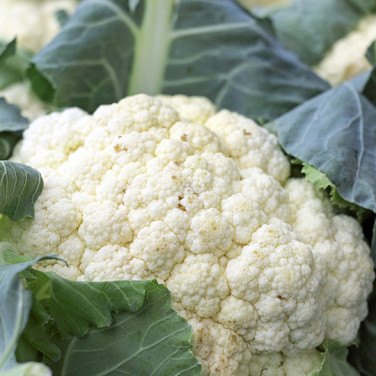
(370, 87)
(62, 16)
(310, 28)
(36, 335)
(152, 340)
(13, 63)
(7, 50)
(335, 133)
(20, 186)
(194, 47)
(11, 119)
(35, 343)
(12, 124)
(371, 53)
(138, 331)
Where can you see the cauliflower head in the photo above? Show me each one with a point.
(33, 22)
(168, 188)
(346, 58)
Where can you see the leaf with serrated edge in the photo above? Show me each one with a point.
(321, 180)
(153, 340)
(334, 132)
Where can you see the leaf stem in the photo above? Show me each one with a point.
(151, 48)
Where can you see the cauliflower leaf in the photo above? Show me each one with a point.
(133, 320)
(370, 87)
(20, 186)
(336, 143)
(156, 47)
(13, 63)
(322, 181)
(15, 305)
(12, 124)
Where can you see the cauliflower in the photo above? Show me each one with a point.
(168, 188)
(33, 32)
(346, 58)
(32, 21)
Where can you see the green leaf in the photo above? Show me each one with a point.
(134, 322)
(76, 306)
(36, 336)
(7, 50)
(8, 257)
(335, 362)
(20, 186)
(371, 54)
(62, 16)
(11, 119)
(321, 180)
(334, 132)
(139, 332)
(152, 340)
(13, 63)
(12, 124)
(15, 305)
(310, 28)
(370, 87)
(194, 47)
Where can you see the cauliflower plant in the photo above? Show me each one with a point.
(168, 188)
